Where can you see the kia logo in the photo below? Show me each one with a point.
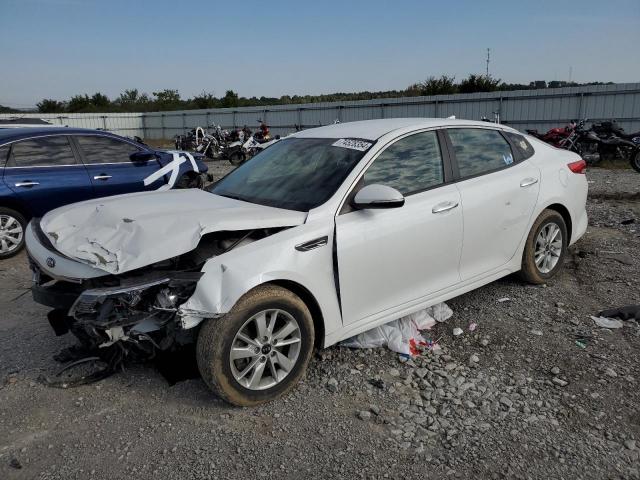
(51, 262)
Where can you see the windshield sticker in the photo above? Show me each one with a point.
(360, 145)
(508, 159)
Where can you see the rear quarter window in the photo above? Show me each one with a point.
(521, 146)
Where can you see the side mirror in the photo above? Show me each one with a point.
(142, 156)
(377, 196)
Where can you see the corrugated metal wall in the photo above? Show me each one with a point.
(541, 109)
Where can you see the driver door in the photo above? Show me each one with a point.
(391, 258)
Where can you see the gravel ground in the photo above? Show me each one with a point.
(537, 390)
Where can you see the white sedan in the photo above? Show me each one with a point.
(323, 235)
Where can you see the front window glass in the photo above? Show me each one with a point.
(295, 173)
(105, 149)
(409, 165)
(479, 150)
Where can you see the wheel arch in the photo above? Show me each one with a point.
(566, 216)
(310, 301)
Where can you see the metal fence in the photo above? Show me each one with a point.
(541, 109)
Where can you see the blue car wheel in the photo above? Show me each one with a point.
(12, 225)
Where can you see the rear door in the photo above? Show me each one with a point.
(499, 191)
(111, 170)
(45, 174)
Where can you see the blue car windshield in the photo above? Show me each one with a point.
(294, 173)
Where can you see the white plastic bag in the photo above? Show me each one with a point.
(402, 335)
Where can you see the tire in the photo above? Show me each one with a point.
(189, 181)
(12, 227)
(635, 160)
(236, 158)
(218, 336)
(549, 221)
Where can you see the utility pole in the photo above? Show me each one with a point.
(488, 59)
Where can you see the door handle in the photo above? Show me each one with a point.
(528, 181)
(443, 207)
(102, 177)
(27, 184)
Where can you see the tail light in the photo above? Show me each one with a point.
(578, 167)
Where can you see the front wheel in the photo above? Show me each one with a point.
(260, 349)
(236, 158)
(635, 160)
(545, 249)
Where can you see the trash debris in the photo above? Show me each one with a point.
(457, 331)
(628, 221)
(403, 335)
(605, 322)
(15, 463)
(581, 344)
(473, 326)
(504, 299)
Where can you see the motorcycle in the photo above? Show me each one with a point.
(554, 136)
(597, 143)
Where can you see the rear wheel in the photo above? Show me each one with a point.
(12, 225)
(260, 349)
(545, 249)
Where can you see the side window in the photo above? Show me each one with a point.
(42, 152)
(523, 148)
(409, 165)
(479, 150)
(98, 149)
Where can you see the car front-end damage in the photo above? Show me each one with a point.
(137, 311)
(140, 311)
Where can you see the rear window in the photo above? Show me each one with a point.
(42, 152)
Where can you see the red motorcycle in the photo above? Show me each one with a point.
(555, 136)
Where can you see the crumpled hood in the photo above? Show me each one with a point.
(124, 232)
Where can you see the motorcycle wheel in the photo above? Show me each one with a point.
(635, 160)
(236, 158)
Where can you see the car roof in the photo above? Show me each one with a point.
(12, 134)
(374, 129)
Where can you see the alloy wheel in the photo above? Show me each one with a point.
(548, 247)
(11, 234)
(265, 349)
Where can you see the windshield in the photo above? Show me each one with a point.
(294, 173)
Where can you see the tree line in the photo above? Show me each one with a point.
(135, 101)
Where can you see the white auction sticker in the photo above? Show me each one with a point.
(360, 145)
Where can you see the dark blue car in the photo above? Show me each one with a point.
(45, 168)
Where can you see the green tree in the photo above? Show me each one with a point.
(100, 101)
(230, 99)
(443, 85)
(80, 103)
(479, 83)
(204, 100)
(49, 105)
(167, 99)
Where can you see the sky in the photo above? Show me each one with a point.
(59, 48)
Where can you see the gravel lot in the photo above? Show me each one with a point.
(536, 391)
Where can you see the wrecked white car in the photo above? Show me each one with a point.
(325, 234)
